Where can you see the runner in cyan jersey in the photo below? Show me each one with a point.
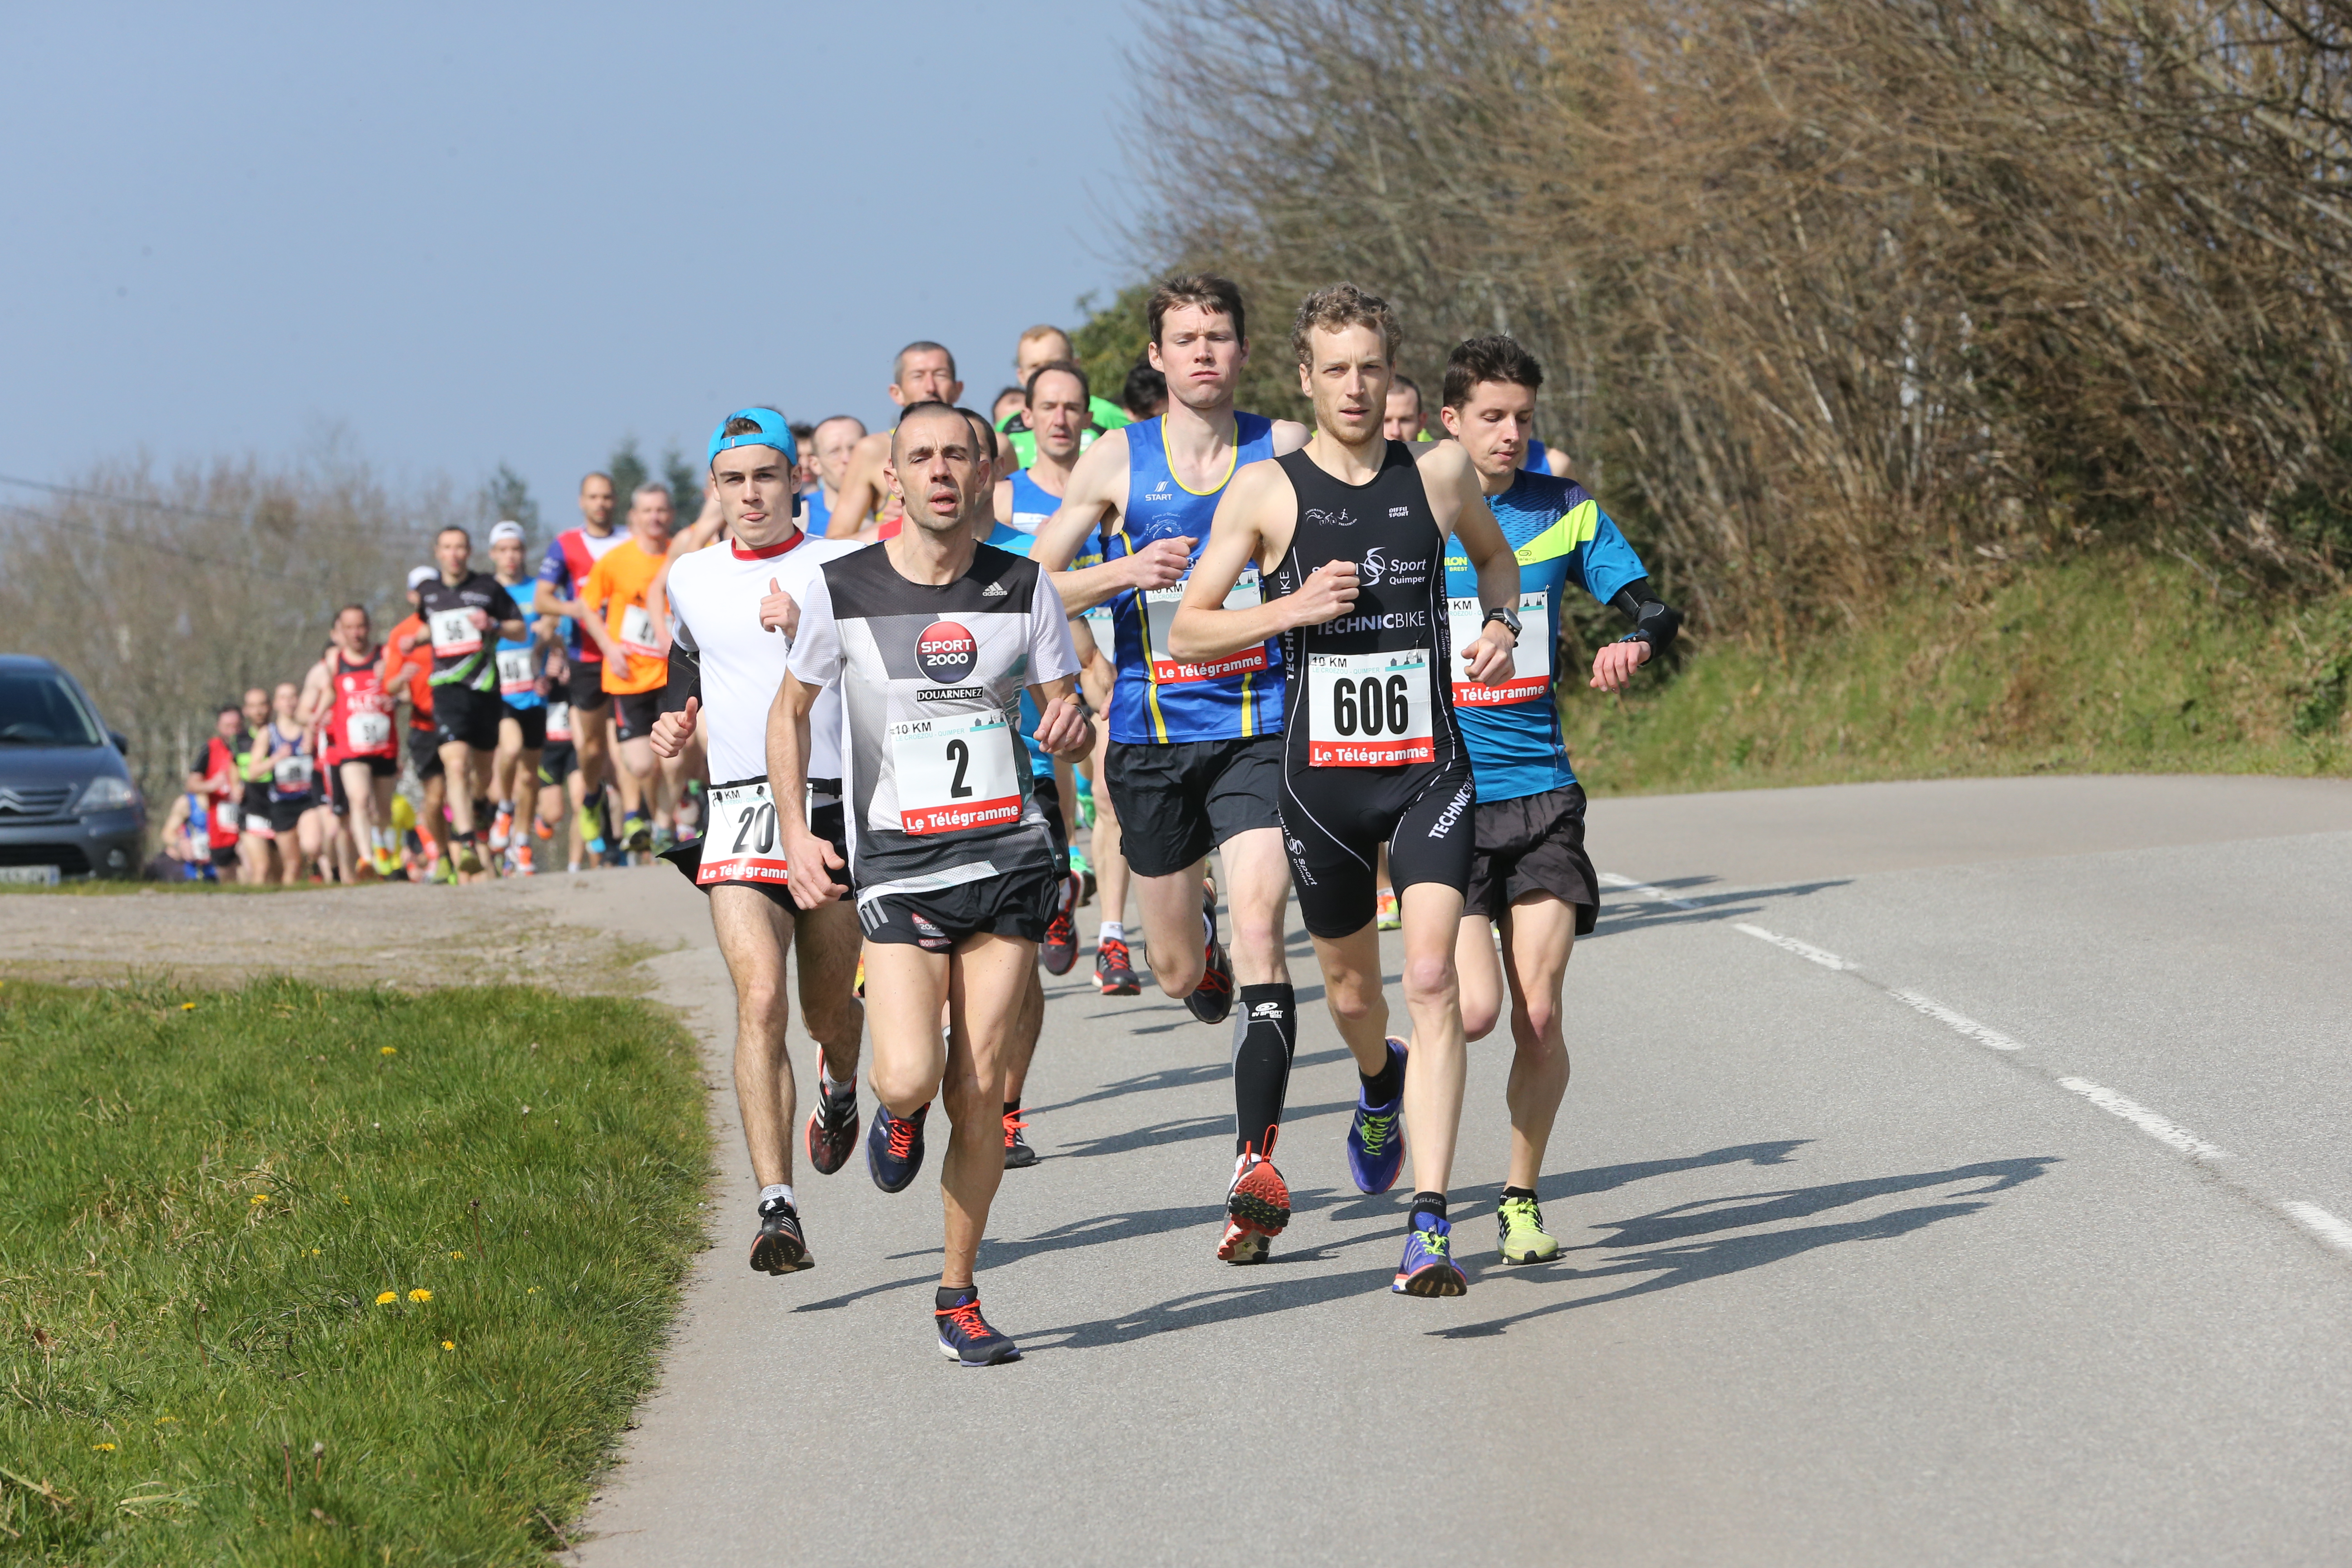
(737, 612)
(464, 612)
(522, 701)
(1530, 880)
(931, 638)
(1194, 759)
(1351, 534)
(829, 449)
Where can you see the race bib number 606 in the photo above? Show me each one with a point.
(1369, 709)
(956, 774)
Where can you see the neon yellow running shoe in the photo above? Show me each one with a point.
(1519, 1222)
(1386, 915)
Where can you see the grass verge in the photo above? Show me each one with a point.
(2099, 665)
(252, 1312)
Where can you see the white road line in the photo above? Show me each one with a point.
(2321, 1224)
(1804, 949)
(2171, 1134)
(1966, 1026)
(1612, 879)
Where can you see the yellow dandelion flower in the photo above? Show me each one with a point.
(459, 1256)
(420, 1294)
(314, 1252)
(386, 1299)
(261, 1198)
(187, 1006)
(159, 1420)
(532, 1291)
(103, 1447)
(448, 1344)
(387, 1050)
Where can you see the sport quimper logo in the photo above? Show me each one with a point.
(946, 654)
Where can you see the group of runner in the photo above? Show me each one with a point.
(1312, 651)
(867, 698)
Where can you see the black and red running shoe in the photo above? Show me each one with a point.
(1018, 1155)
(1059, 950)
(1115, 973)
(780, 1248)
(832, 1129)
(1213, 999)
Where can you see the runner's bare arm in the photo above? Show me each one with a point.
(318, 696)
(806, 856)
(1289, 436)
(1452, 485)
(1254, 522)
(863, 488)
(1003, 501)
(1098, 490)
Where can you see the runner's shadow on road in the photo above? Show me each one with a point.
(1179, 1131)
(1231, 1303)
(1576, 1183)
(1629, 911)
(1666, 1260)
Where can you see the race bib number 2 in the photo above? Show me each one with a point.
(1530, 661)
(956, 774)
(744, 843)
(1369, 709)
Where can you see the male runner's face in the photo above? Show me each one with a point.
(230, 721)
(835, 439)
(257, 709)
(1492, 426)
(1200, 355)
(1347, 378)
(351, 631)
(597, 501)
(649, 517)
(1058, 416)
(754, 485)
(451, 552)
(1401, 422)
(926, 376)
(506, 559)
(937, 472)
(1007, 401)
(1038, 352)
(283, 701)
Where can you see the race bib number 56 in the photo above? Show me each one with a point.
(1369, 709)
(743, 844)
(956, 774)
(453, 632)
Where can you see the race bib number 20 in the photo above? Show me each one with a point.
(1369, 709)
(956, 774)
(744, 843)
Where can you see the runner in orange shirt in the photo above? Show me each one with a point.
(630, 624)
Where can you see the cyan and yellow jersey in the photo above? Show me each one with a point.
(1562, 536)
(1157, 698)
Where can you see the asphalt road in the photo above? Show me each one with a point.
(1953, 1173)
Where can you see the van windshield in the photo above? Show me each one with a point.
(38, 708)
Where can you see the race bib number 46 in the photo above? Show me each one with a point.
(1369, 709)
(453, 632)
(1160, 615)
(957, 774)
(517, 673)
(743, 844)
(1531, 662)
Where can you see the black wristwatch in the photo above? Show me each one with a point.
(1508, 616)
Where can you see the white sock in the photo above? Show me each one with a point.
(827, 1084)
(784, 1191)
(1112, 931)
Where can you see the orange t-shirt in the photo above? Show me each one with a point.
(418, 662)
(618, 583)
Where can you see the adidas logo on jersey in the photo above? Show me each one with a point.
(993, 590)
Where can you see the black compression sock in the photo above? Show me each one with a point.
(1011, 1108)
(1383, 1087)
(1426, 1203)
(1266, 1036)
(949, 1296)
(1519, 1191)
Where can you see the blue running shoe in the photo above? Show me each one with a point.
(894, 1148)
(966, 1339)
(1375, 1137)
(1429, 1268)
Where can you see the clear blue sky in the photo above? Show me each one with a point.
(469, 237)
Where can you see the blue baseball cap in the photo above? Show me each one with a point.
(773, 432)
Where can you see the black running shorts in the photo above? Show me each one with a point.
(824, 821)
(1334, 821)
(285, 814)
(425, 753)
(557, 762)
(587, 687)
(1178, 802)
(936, 918)
(633, 714)
(533, 720)
(253, 811)
(460, 713)
(1049, 791)
(1532, 845)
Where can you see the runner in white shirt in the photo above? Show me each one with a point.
(735, 610)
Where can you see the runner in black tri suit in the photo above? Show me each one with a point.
(932, 637)
(1349, 534)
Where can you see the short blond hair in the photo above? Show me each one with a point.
(1340, 306)
(1042, 330)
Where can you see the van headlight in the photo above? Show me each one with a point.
(108, 793)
